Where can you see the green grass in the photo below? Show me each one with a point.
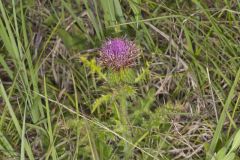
(181, 100)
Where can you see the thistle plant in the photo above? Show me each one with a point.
(118, 56)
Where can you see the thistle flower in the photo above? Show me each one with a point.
(118, 53)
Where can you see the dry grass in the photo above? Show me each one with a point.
(184, 103)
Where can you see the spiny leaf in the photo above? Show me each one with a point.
(93, 66)
(123, 76)
(100, 101)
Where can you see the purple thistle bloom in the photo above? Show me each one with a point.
(118, 53)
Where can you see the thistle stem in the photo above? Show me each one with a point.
(124, 120)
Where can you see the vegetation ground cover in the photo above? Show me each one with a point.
(57, 102)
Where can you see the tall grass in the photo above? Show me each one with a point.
(57, 102)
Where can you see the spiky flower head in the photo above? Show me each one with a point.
(118, 53)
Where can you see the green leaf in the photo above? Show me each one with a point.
(50, 20)
(236, 142)
(5, 67)
(100, 101)
(15, 121)
(123, 76)
(223, 114)
(230, 156)
(221, 153)
(73, 41)
(5, 146)
(142, 75)
(93, 66)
